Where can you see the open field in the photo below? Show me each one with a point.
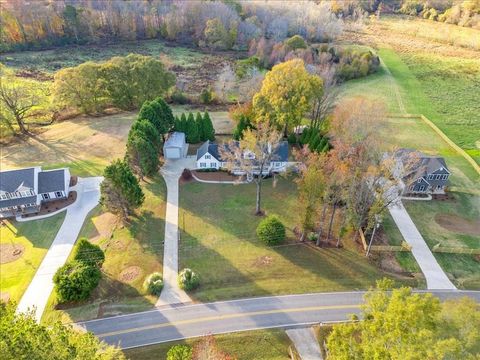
(34, 237)
(437, 69)
(132, 252)
(250, 345)
(218, 240)
(85, 144)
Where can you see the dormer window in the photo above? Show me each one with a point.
(207, 156)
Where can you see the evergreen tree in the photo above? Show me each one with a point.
(192, 130)
(149, 132)
(321, 145)
(149, 112)
(201, 127)
(141, 155)
(183, 122)
(120, 190)
(159, 114)
(209, 129)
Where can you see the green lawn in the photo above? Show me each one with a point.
(249, 345)
(218, 240)
(35, 237)
(132, 252)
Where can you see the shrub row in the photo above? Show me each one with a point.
(196, 128)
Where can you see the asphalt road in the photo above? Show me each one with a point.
(187, 321)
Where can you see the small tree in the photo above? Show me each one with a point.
(120, 191)
(243, 124)
(75, 280)
(271, 230)
(88, 253)
(188, 279)
(179, 352)
(200, 126)
(296, 42)
(206, 96)
(253, 156)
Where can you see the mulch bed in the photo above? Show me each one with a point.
(73, 180)
(215, 176)
(55, 205)
(10, 252)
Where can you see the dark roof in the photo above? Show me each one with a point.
(176, 139)
(51, 181)
(281, 153)
(424, 164)
(11, 180)
(18, 201)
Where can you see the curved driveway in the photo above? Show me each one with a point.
(187, 321)
(37, 294)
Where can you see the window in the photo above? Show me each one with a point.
(45, 196)
(422, 188)
(444, 177)
(3, 196)
(430, 177)
(59, 194)
(203, 165)
(439, 187)
(208, 156)
(437, 177)
(213, 165)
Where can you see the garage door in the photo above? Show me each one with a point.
(172, 153)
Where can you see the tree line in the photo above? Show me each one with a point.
(224, 24)
(196, 128)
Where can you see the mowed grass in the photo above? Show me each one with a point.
(465, 205)
(35, 237)
(218, 240)
(132, 252)
(248, 345)
(85, 144)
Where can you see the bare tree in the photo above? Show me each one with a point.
(225, 82)
(252, 156)
(324, 104)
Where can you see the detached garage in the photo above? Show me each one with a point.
(175, 147)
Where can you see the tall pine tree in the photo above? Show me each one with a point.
(192, 130)
(120, 190)
(141, 155)
(208, 126)
(149, 131)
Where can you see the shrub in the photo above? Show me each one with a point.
(179, 352)
(312, 236)
(188, 279)
(88, 253)
(206, 96)
(186, 174)
(75, 281)
(296, 42)
(271, 230)
(292, 138)
(153, 284)
(179, 97)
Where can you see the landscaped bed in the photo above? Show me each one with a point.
(132, 252)
(218, 240)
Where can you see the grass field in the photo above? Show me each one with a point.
(218, 240)
(132, 252)
(249, 345)
(35, 238)
(86, 144)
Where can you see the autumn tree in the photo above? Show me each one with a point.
(252, 156)
(286, 95)
(21, 337)
(120, 190)
(20, 101)
(397, 323)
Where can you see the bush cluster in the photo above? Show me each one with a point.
(271, 230)
(179, 352)
(153, 284)
(188, 279)
(196, 128)
(75, 280)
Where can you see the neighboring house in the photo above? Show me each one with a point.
(23, 191)
(208, 157)
(425, 174)
(175, 147)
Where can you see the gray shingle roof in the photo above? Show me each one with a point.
(176, 139)
(281, 153)
(18, 201)
(51, 181)
(11, 180)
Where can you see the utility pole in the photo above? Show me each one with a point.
(377, 225)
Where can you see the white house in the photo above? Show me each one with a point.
(23, 191)
(175, 147)
(208, 157)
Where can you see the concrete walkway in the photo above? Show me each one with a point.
(305, 343)
(38, 292)
(435, 276)
(171, 293)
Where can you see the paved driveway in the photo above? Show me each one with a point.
(38, 292)
(171, 293)
(434, 274)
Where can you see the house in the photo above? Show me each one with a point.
(423, 174)
(175, 147)
(209, 157)
(23, 191)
